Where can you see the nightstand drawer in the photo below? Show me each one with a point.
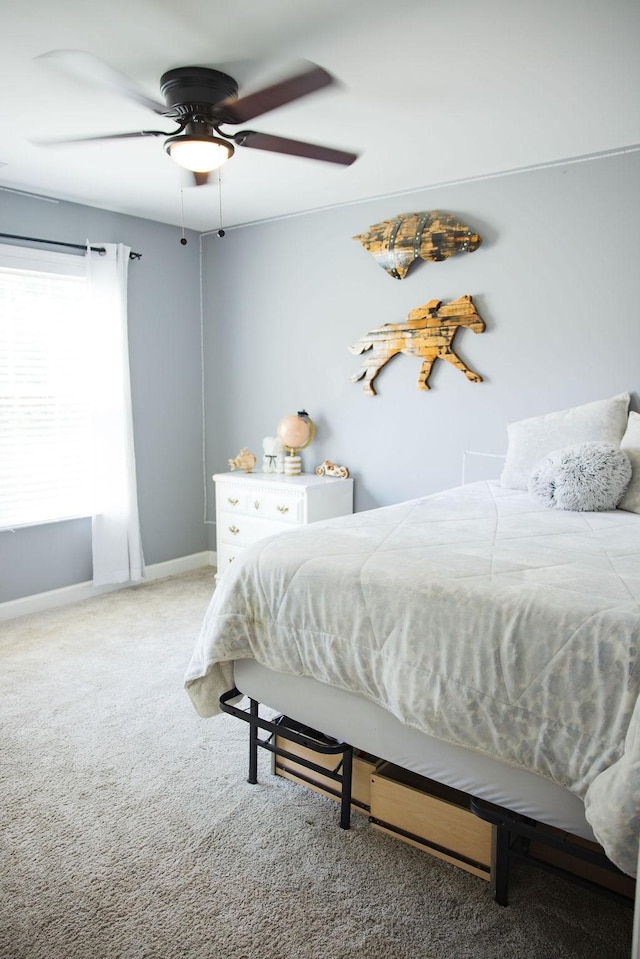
(240, 530)
(233, 500)
(282, 508)
(227, 554)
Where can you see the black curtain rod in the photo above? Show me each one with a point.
(73, 246)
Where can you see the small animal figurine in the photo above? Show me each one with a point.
(327, 468)
(273, 455)
(433, 235)
(428, 333)
(243, 461)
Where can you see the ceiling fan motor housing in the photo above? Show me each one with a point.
(191, 91)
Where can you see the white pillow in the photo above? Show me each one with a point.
(530, 440)
(588, 477)
(631, 445)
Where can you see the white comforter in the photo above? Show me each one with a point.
(473, 615)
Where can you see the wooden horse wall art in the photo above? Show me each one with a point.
(428, 334)
(433, 235)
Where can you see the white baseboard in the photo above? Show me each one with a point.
(79, 591)
(183, 564)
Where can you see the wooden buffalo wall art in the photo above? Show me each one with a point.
(428, 334)
(433, 235)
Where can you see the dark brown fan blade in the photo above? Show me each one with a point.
(276, 95)
(85, 66)
(200, 179)
(296, 148)
(107, 136)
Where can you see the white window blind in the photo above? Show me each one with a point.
(45, 388)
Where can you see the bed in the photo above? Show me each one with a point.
(474, 636)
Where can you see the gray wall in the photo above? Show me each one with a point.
(164, 341)
(556, 280)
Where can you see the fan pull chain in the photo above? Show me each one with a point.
(220, 231)
(183, 239)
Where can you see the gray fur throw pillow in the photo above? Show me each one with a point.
(590, 476)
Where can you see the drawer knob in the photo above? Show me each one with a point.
(233, 500)
(256, 504)
(234, 530)
(283, 509)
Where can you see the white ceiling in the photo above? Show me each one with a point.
(430, 92)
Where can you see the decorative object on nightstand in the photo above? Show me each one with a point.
(243, 461)
(272, 455)
(296, 432)
(251, 506)
(327, 468)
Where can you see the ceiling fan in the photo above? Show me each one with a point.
(200, 100)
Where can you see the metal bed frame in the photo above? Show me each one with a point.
(295, 732)
(511, 834)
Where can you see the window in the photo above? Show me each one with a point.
(45, 387)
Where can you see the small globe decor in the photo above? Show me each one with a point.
(295, 432)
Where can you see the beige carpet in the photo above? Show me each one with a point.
(129, 831)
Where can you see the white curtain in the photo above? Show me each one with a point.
(117, 546)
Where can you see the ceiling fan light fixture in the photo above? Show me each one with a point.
(198, 152)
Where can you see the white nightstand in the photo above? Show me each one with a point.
(250, 506)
